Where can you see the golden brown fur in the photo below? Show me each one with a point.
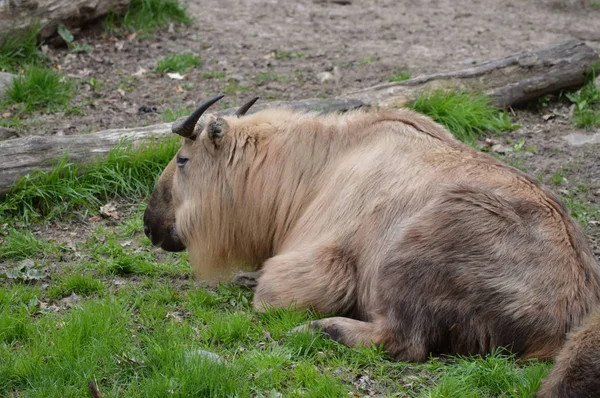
(409, 237)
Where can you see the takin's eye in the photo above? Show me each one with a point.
(181, 161)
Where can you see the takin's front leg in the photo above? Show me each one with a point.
(324, 280)
(248, 279)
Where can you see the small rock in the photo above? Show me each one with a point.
(579, 139)
(140, 72)
(548, 117)
(175, 76)
(501, 149)
(338, 372)
(147, 109)
(6, 80)
(70, 300)
(235, 77)
(325, 77)
(208, 355)
(469, 61)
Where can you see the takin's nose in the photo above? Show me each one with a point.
(147, 230)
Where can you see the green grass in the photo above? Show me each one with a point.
(494, 375)
(400, 75)
(288, 54)
(170, 115)
(20, 48)
(213, 75)
(265, 77)
(20, 245)
(81, 284)
(233, 88)
(39, 88)
(587, 103)
(468, 116)
(582, 210)
(70, 187)
(148, 16)
(149, 337)
(179, 63)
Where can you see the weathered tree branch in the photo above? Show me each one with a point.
(509, 81)
(18, 14)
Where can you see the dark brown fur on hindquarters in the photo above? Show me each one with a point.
(576, 373)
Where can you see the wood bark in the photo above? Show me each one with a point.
(510, 81)
(18, 14)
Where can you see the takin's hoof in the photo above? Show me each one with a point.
(248, 279)
(322, 327)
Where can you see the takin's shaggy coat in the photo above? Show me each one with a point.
(411, 238)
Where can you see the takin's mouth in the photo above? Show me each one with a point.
(172, 243)
(169, 242)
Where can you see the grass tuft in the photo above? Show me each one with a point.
(265, 77)
(39, 88)
(496, 374)
(81, 284)
(400, 75)
(148, 16)
(587, 103)
(170, 115)
(467, 116)
(179, 63)
(68, 187)
(20, 48)
(21, 245)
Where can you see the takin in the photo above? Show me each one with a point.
(410, 238)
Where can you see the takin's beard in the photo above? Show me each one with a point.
(214, 269)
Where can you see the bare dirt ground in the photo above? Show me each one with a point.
(277, 49)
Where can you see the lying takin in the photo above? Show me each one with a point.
(411, 238)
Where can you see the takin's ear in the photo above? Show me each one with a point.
(217, 129)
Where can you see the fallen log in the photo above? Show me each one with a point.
(21, 156)
(510, 81)
(16, 15)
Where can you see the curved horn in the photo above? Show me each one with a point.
(185, 128)
(244, 108)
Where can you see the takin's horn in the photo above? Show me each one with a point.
(244, 108)
(185, 128)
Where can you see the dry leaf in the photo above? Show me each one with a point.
(548, 117)
(94, 219)
(140, 72)
(175, 76)
(109, 210)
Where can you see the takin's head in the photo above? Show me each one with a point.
(193, 163)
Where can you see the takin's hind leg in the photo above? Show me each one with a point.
(350, 332)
